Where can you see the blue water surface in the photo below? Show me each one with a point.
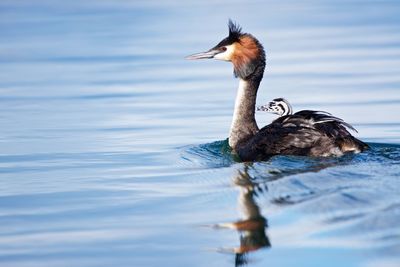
(113, 148)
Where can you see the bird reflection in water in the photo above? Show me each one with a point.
(252, 226)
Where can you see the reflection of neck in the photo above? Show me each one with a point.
(252, 226)
(248, 205)
(244, 123)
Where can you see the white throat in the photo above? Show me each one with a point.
(243, 122)
(240, 98)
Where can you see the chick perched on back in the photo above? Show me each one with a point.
(304, 133)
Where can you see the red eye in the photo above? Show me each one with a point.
(223, 49)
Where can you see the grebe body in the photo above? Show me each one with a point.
(306, 133)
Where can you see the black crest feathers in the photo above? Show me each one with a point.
(235, 31)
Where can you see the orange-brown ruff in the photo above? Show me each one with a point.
(246, 51)
(307, 132)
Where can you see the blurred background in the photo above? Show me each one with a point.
(107, 144)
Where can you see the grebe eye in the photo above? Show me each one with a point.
(223, 49)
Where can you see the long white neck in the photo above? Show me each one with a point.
(244, 123)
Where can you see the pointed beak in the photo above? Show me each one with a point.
(262, 108)
(209, 54)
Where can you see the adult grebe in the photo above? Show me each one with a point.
(278, 106)
(307, 133)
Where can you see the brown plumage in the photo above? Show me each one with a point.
(305, 133)
(245, 56)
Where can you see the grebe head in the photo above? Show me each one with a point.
(242, 49)
(279, 106)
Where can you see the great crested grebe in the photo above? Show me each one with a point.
(278, 106)
(306, 133)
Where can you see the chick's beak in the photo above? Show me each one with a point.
(209, 54)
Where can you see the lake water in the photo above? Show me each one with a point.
(113, 147)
